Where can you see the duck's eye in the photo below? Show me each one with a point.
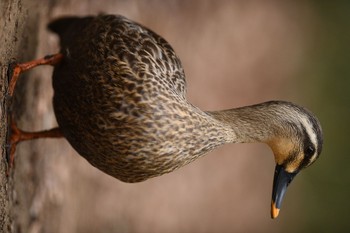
(309, 150)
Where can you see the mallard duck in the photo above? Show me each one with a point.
(120, 101)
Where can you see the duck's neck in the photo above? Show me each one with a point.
(256, 123)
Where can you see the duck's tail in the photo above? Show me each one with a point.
(68, 27)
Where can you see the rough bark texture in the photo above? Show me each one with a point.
(19, 24)
(231, 54)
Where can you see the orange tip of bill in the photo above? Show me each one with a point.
(274, 211)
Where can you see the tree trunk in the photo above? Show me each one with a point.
(19, 27)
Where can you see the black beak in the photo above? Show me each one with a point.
(281, 181)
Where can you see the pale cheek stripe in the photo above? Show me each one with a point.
(312, 135)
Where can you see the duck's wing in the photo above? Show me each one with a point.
(132, 49)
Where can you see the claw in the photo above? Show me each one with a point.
(13, 137)
(10, 69)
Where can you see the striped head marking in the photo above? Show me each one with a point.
(301, 144)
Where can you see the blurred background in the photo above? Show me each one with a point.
(234, 53)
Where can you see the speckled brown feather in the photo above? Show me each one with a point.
(120, 102)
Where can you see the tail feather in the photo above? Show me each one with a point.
(68, 28)
(61, 25)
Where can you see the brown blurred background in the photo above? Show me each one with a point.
(234, 53)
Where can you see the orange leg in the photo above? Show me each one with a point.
(17, 135)
(20, 68)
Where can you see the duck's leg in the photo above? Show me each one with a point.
(21, 67)
(16, 135)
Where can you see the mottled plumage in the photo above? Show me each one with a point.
(120, 100)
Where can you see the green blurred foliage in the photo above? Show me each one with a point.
(326, 84)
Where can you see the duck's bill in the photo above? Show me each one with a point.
(281, 180)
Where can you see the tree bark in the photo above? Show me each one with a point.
(18, 39)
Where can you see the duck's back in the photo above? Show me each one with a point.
(117, 44)
(120, 97)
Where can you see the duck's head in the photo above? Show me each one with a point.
(297, 145)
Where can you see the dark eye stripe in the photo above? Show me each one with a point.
(308, 155)
(317, 130)
(316, 127)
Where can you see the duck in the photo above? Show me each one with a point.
(120, 101)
